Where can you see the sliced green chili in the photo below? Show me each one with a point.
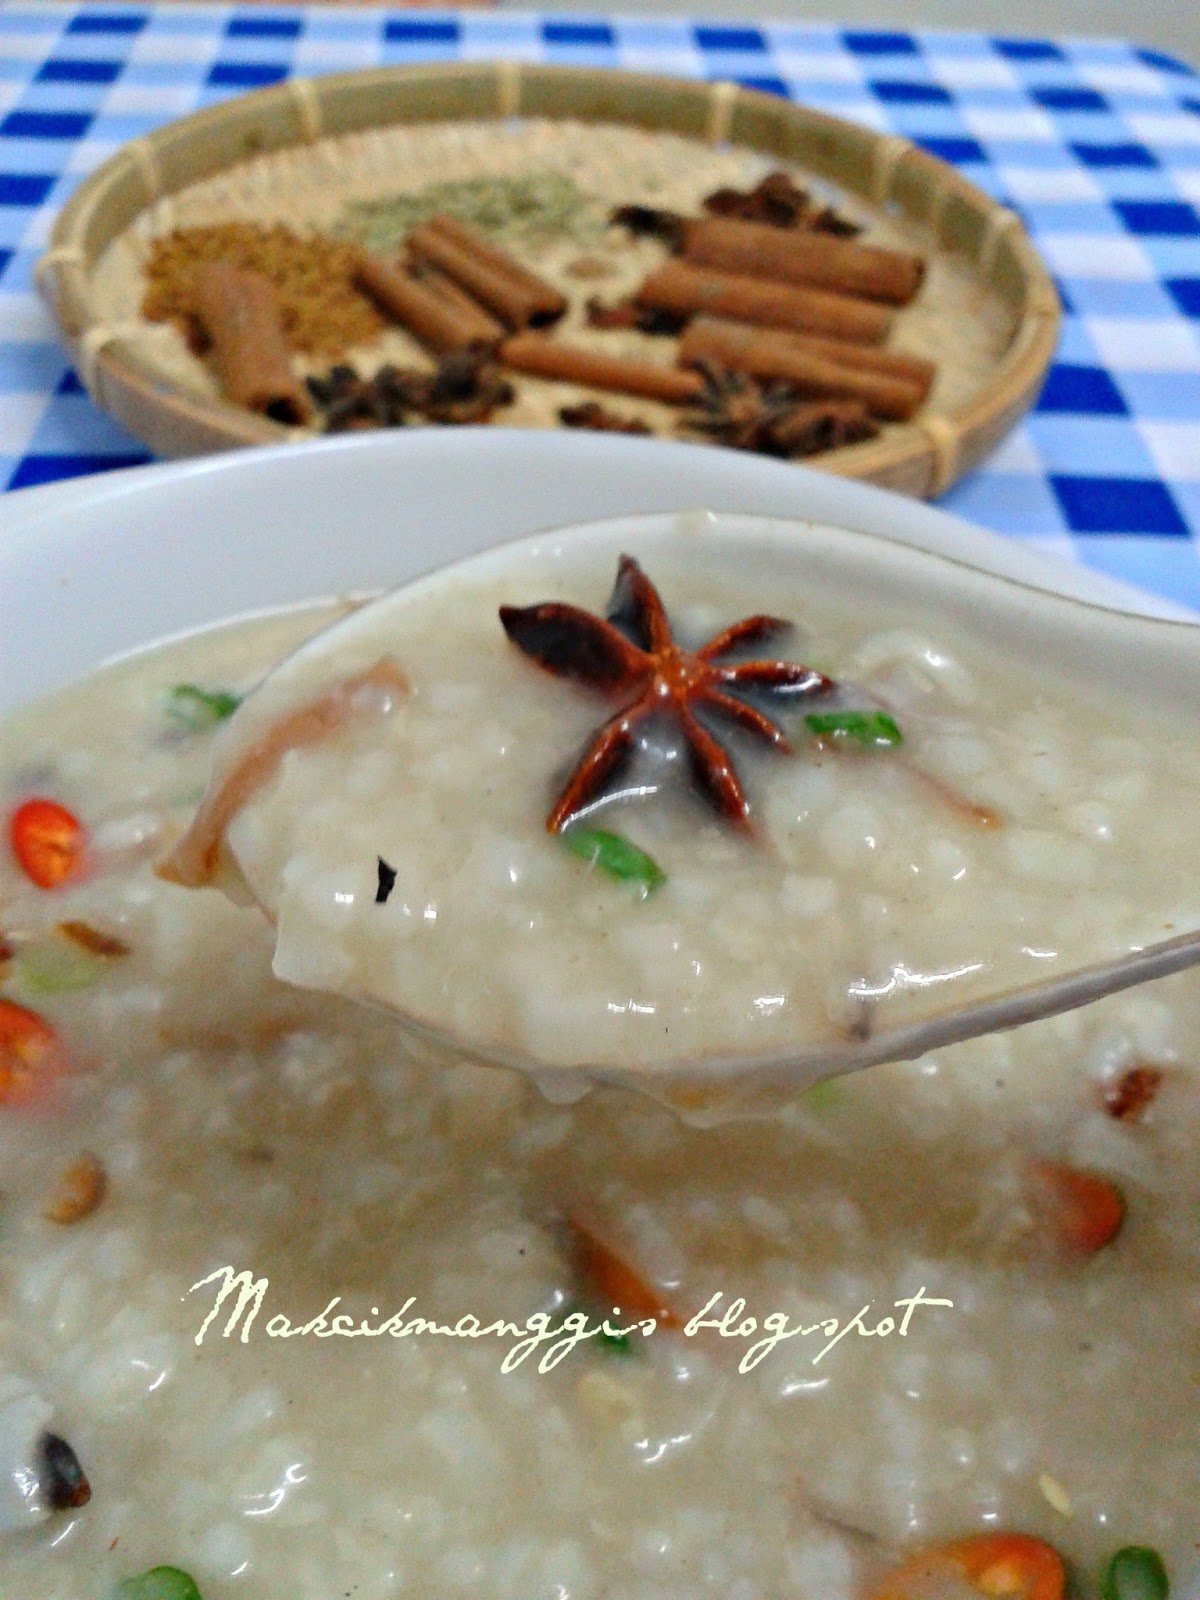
(200, 709)
(820, 1096)
(160, 1583)
(1135, 1573)
(55, 966)
(864, 727)
(617, 1344)
(614, 855)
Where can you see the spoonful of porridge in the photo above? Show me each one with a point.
(714, 803)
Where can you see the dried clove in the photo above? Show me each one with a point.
(466, 387)
(591, 414)
(629, 314)
(778, 201)
(651, 222)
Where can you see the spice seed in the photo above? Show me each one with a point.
(80, 1189)
(1055, 1495)
(63, 1481)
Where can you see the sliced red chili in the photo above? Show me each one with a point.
(31, 1055)
(48, 842)
(1085, 1209)
(1003, 1566)
(613, 1283)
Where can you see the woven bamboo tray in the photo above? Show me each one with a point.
(988, 312)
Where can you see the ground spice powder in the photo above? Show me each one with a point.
(322, 310)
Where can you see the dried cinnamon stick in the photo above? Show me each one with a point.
(549, 304)
(429, 317)
(680, 287)
(567, 363)
(240, 315)
(553, 304)
(888, 363)
(519, 298)
(790, 256)
(767, 354)
(458, 300)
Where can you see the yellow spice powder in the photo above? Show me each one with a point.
(323, 312)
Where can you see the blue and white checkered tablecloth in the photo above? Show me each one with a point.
(1095, 143)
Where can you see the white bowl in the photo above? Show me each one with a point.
(97, 566)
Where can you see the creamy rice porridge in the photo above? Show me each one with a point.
(867, 886)
(233, 1119)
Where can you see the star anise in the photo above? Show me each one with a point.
(810, 427)
(735, 410)
(773, 419)
(599, 419)
(631, 654)
(778, 201)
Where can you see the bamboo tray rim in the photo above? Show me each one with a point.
(888, 173)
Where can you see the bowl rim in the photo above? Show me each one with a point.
(93, 567)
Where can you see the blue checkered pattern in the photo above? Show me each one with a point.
(1095, 143)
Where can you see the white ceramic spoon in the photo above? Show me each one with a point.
(1146, 670)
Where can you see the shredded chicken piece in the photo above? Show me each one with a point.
(195, 860)
(94, 940)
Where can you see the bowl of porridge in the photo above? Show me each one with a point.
(295, 1302)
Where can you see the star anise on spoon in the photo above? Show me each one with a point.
(631, 654)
